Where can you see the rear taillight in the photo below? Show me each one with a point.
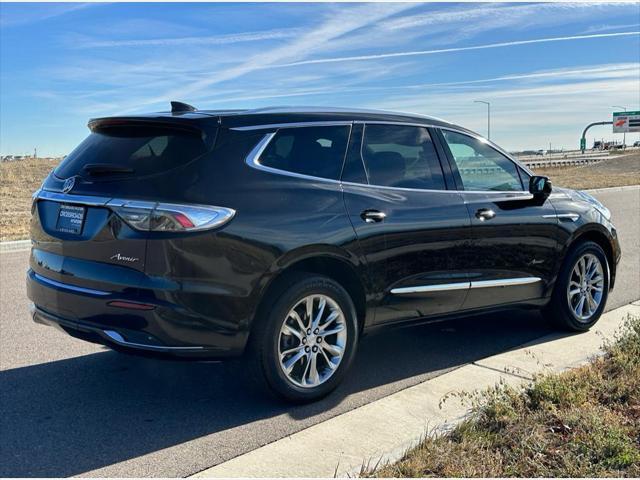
(168, 217)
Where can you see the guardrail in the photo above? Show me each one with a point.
(563, 162)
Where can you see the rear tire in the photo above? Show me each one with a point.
(581, 289)
(303, 346)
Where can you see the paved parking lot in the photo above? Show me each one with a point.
(71, 408)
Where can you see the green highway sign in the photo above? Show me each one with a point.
(583, 144)
(624, 122)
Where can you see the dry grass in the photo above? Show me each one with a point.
(614, 172)
(18, 180)
(581, 423)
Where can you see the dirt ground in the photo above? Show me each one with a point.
(18, 180)
(614, 172)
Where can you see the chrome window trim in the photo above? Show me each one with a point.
(389, 122)
(253, 158)
(443, 287)
(277, 126)
(66, 286)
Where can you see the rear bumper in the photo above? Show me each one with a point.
(166, 330)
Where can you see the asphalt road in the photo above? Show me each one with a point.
(72, 408)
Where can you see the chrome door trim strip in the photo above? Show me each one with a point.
(569, 216)
(66, 286)
(119, 339)
(442, 287)
(505, 282)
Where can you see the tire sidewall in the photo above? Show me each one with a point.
(275, 377)
(561, 294)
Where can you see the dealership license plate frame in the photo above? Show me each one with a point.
(71, 218)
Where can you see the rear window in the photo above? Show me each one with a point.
(315, 151)
(131, 151)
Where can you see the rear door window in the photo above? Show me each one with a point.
(132, 151)
(314, 151)
(401, 156)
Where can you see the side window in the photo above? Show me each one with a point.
(315, 151)
(481, 167)
(401, 156)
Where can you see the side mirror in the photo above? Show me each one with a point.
(540, 187)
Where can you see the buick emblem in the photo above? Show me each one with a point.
(68, 184)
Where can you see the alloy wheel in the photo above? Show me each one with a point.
(586, 287)
(312, 341)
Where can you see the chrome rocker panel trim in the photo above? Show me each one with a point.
(505, 282)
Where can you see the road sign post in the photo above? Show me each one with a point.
(583, 139)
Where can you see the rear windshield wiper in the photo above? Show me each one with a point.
(106, 169)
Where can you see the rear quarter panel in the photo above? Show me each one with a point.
(279, 220)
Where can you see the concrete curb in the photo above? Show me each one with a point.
(15, 246)
(383, 430)
(614, 189)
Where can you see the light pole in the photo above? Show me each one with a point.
(488, 117)
(624, 134)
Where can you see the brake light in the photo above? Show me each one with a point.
(168, 217)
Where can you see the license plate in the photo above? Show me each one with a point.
(70, 219)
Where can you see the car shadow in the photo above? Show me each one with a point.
(80, 414)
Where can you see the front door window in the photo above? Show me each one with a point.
(481, 167)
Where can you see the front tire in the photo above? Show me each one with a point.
(581, 290)
(303, 347)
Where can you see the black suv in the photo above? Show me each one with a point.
(284, 234)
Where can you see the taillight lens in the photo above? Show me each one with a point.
(169, 217)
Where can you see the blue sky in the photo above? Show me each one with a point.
(547, 69)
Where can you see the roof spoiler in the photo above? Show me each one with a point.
(180, 107)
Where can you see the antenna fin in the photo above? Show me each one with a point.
(180, 107)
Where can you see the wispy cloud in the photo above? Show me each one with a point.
(413, 53)
(211, 40)
(12, 16)
(338, 24)
(608, 28)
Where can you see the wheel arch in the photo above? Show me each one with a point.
(336, 267)
(600, 237)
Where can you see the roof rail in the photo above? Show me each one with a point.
(180, 107)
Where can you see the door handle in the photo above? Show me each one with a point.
(373, 216)
(485, 214)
